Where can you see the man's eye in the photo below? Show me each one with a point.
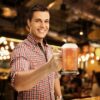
(37, 21)
(47, 21)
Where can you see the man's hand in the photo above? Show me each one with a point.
(56, 62)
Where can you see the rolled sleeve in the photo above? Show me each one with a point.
(57, 75)
(18, 64)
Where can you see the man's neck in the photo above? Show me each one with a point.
(38, 40)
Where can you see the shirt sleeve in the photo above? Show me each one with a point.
(18, 64)
(57, 75)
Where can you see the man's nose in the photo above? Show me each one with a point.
(42, 24)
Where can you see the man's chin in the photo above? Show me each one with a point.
(42, 37)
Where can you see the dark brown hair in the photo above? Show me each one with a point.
(36, 7)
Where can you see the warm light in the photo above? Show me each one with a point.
(8, 44)
(8, 12)
(51, 5)
(2, 39)
(97, 52)
(92, 55)
(83, 58)
(97, 58)
(6, 47)
(79, 60)
(6, 52)
(5, 42)
(12, 45)
(8, 57)
(14, 40)
(91, 49)
(92, 61)
(87, 57)
(0, 57)
(81, 33)
(2, 49)
(64, 40)
(4, 57)
(55, 5)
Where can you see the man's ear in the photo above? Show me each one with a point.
(28, 23)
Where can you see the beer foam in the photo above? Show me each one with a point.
(69, 45)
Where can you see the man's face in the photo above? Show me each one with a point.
(39, 24)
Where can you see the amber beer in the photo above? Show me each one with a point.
(70, 58)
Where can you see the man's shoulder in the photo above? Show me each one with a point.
(21, 49)
(22, 45)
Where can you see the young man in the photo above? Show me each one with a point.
(34, 67)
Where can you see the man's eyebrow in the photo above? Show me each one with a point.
(40, 19)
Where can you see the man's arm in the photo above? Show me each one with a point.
(25, 80)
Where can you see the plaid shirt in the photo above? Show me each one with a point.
(27, 55)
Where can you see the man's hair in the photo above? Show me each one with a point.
(34, 8)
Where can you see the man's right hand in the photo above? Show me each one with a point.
(56, 62)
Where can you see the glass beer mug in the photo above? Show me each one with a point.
(69, 58)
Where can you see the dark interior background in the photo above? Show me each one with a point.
(68, 18)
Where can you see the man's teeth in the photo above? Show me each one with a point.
(41, 31)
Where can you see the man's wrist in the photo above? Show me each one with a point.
(59, 98)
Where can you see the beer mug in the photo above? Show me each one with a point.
(69, 58)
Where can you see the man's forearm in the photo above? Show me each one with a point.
(26, 80)
(58, 93)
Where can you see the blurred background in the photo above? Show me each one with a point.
(76, 21)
